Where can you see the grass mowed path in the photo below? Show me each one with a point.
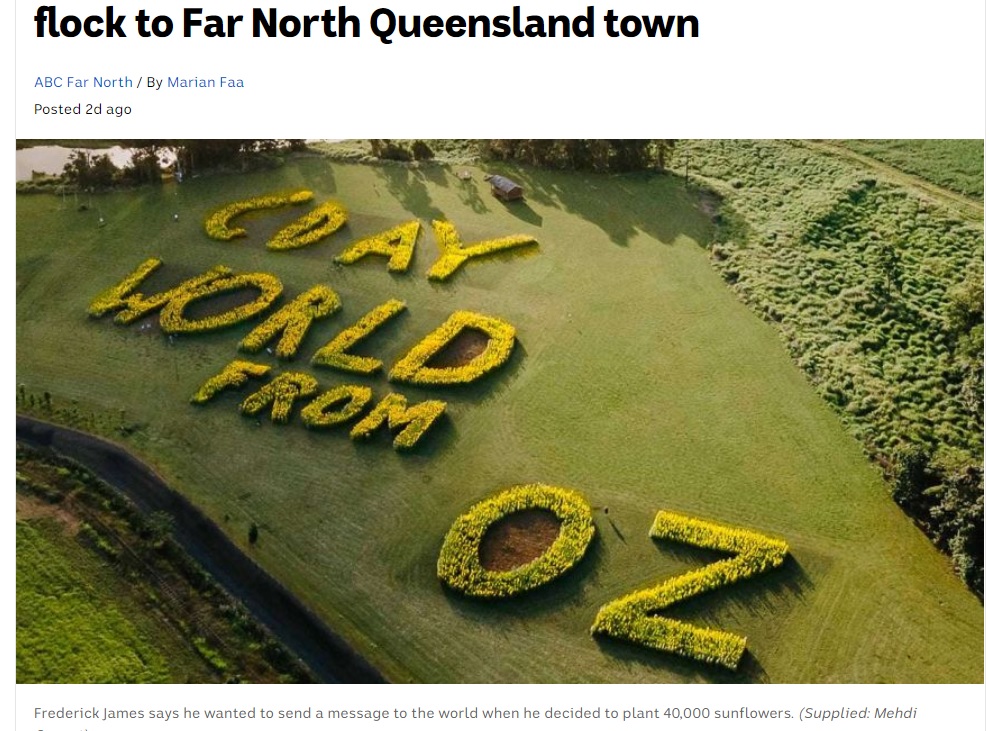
(639, 379)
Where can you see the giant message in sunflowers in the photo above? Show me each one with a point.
(281, 330)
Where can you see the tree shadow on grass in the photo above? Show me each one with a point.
(764, 596)
(407, 186)
(436, 174)
(522, 211)
(319, 176)
(470, 196)
(749, 670)
(621, 205)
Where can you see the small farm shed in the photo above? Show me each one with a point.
(504, 188)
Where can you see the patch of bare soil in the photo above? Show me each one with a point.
(29, 508)
(469, 344)
(518, 539)
(203, 308)
(709, 204)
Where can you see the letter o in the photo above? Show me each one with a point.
(336, 406)
(459, 565)
(161, 26)
(290, 26)
(631, 26)
(70, 26)
(173, 318)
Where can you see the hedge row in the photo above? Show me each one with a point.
(459, 565)
(632, 617)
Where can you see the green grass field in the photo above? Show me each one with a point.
(639, 379)
(955, 164)
(80, 622)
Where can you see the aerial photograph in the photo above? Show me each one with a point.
(500, 411)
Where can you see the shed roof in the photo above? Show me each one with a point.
(504, 184)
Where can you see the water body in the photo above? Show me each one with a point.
(51, 159)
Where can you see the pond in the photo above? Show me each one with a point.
(51, 159)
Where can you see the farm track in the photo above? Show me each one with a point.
(324, 652)
(969, 209)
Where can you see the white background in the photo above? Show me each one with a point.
(944, 707)
(844, 68)
(768, 69)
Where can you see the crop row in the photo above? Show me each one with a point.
(292, 322)
(322, 221)
(394, 410)
(397, 244)
(234, 376)
(280, 395)
(173, 319)
(336, 406)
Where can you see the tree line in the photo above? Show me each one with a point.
(616, 156)
(87, 170)
(945, 492)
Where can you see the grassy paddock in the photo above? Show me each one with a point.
(104, 594)
(955, 164)
(79, 622)
(638, 379)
